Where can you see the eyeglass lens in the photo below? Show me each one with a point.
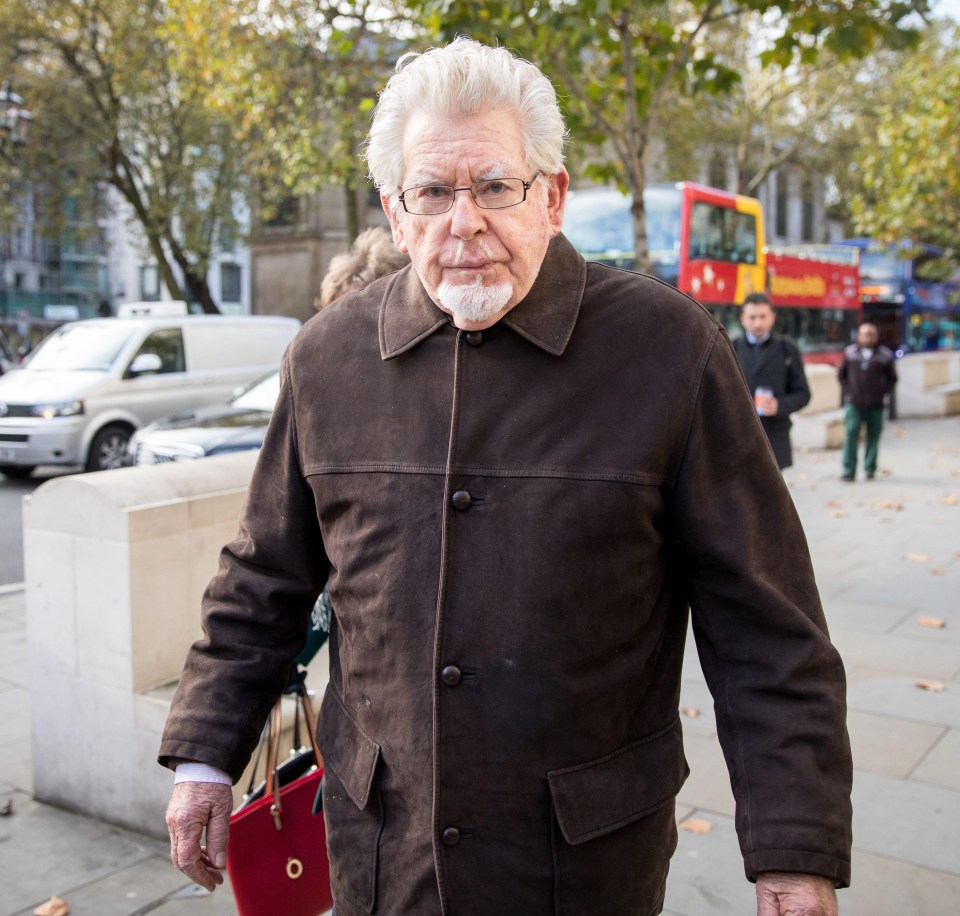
(492, 194)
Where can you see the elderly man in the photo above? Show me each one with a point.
(537, 466)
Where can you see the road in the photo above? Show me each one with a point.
(11, 529)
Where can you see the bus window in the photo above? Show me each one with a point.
(722, 234)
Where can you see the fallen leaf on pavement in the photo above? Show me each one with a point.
(696, 825)
(918, 557)
(888, 504)
(690, 711)
(935, 623)
(937, 571)
(932, 686)
(53, 907)
(839, 514)
(950, 500)
(833, 504)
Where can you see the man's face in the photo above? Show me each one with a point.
(867, 336)
(758, 318)
(475, 264)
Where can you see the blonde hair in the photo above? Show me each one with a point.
(371, 255)
(461, 80)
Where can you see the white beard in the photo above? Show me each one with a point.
(474, 302)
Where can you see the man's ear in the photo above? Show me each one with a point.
(557, 199)
(395, 227)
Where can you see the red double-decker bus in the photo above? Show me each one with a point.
(711, 244)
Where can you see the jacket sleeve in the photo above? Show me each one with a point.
(255, 611)
(797, 394)
(778, 683)
(843, 375)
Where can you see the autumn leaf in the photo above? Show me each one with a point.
(690, 711)
(918, 557)
(696, 825)
(932, 686)
(950, 500)
(889, 504)
(934, 623)
(53, 907)
(937, 571)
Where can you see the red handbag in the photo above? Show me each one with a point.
(277, 853)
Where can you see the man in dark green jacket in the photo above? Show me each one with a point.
(867, 375)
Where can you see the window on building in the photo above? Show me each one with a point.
(149, 282)
(230, 276)
(782, 198)
(283, 213)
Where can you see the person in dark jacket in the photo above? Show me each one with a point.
(867, 374)
(773, 368)
(470, 446)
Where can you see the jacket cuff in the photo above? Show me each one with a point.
(798, 861)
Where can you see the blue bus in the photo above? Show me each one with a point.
(911, 314)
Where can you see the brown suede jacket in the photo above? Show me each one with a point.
(517, 521)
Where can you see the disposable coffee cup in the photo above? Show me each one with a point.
(760, 394)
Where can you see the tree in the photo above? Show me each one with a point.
(619, 63)
(308, 87)
(120, 93)
(908, 168)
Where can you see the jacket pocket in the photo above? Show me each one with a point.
(352, 806)
(615, 827)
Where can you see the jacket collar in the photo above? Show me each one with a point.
(546, 316)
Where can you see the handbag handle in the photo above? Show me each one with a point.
(273, 747)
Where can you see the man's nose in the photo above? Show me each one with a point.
(466, 218)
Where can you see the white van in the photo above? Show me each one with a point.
(90, 384)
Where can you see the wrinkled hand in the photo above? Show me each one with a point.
(788, 894)
(193, 807)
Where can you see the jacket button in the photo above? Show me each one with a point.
(461, 500)
(451, 675)
(475, 338)
(450, 836)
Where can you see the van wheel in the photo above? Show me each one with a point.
(109, 448)
(16, 471)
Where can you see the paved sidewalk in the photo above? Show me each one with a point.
(886, 552)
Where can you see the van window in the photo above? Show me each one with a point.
(79, 347)
(167, 343)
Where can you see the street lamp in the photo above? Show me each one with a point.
(14, 121)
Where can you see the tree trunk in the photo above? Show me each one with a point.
(353, 212)
(199, 290)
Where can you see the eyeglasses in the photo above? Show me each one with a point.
(492, 194)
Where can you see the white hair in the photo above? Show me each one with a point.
(461, 80)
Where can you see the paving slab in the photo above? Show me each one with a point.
(941, 765)
(888, 746)
(708, 785)
(886, 887)
(706, 872)
(907, 821)
(926, 658)
(899, 697)
(871, 617)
